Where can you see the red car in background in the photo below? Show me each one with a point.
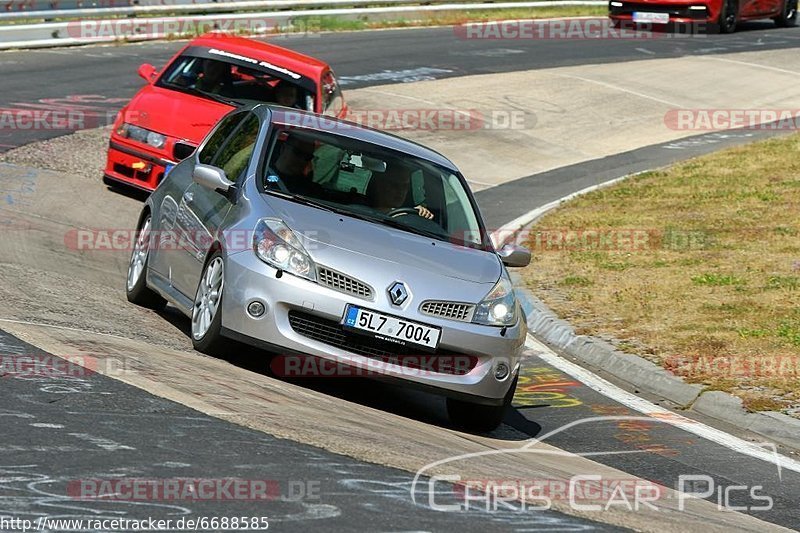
(171, 115)
(716, 15)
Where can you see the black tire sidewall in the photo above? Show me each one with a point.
(720, 26)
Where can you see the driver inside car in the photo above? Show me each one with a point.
(215, 77)
(388, 192)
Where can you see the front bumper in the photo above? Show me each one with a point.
(247, 278)
(134, 165)
(679, 13)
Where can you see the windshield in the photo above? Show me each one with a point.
(218, 79)
(373, 183)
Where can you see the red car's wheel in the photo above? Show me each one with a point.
(728, 17)
(788, 16)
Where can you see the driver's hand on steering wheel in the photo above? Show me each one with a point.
(424, 212)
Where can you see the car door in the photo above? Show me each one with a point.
(200, 210)
(752, 8)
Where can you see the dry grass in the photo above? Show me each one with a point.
(709, 286)
(443, 18)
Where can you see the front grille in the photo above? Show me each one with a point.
(182, 150)
(674, 10)
(334, 334)
(343, 283)
(449, 310)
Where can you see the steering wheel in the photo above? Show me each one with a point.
(402, 211)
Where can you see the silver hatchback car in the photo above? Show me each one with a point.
(320, 239)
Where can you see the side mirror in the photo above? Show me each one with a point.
(211, 178)
(514, 256)
(148, 72)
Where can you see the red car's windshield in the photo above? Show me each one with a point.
(217, 78)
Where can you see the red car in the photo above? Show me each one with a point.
(169, 117)
(717, 15)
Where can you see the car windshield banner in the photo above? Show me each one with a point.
(265, 66)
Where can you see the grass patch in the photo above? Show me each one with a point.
(783, 282)
(717, 280)
(575, 281)
(371, 22)
(717, 277)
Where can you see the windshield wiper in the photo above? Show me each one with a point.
(305, 200)
(411, 229)
(203, 94)
(395, 224)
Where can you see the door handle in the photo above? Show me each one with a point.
(188, 196)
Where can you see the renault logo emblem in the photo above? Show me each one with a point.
(398, 293)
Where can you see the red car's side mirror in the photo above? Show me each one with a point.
(148, 72)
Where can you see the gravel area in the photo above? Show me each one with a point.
(81, 154)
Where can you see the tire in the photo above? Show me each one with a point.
(726, 23)
(477, 417)
(207, 308)
(788, 16)
(136, 282)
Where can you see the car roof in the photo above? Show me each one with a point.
(302, 64)
(311, 121)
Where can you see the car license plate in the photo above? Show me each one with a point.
(390, 328)
(167, 169)
(656, 18)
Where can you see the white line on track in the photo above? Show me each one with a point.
(66, 328)
(659, 413)
(623, 89)
(754, 65)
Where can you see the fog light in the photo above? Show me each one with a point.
(616, 4)
(255, 309)
(501, 371)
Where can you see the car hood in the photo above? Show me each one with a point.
(326, 234)
(175, 114)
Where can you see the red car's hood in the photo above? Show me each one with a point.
(175, 114)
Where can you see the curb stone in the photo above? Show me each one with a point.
(649, 377)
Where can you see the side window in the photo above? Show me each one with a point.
(332, 101)
(217, 139)
(234, 156)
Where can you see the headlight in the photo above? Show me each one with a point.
(156, 139)
(142, 135)
(278, 246)
(499, 307)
